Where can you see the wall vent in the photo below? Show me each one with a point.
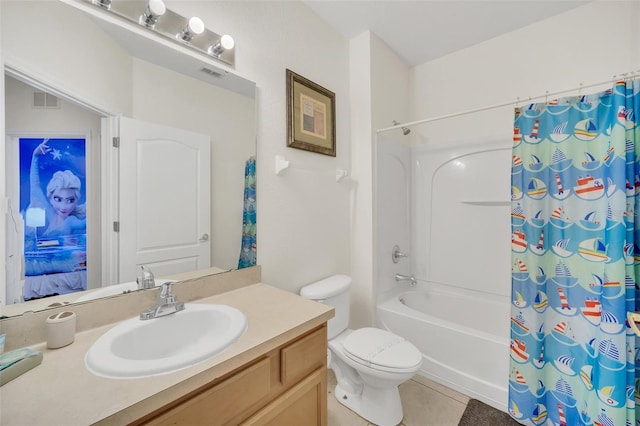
(45, 100)
(211, 72)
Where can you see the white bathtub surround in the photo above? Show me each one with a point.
(463, 337)
(431, 199)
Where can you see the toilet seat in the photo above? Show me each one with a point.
(382, 350)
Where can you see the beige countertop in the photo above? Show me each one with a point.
(62, 392)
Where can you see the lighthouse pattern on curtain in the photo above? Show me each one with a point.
(575, 184)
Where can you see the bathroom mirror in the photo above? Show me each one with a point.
(53, 46)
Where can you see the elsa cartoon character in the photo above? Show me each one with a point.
(65, 219)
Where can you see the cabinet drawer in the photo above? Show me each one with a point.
(303, 356)
(303, 404)
(216, 406)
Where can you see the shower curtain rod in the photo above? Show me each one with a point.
(624, 76)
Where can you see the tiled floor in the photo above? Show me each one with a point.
(424, 403)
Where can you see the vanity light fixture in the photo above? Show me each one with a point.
(155, 9)
(156, 18)
(103, 3)
(225, 43)
(194, 27)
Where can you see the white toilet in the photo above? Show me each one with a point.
(369, 363)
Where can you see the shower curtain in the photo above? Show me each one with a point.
(575, 245)
(248, 249)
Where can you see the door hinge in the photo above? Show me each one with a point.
(116, 142)
(116, 226)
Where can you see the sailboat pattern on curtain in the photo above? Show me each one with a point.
(248, 248)
(575, 245)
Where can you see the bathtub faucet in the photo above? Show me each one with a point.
(400, 277)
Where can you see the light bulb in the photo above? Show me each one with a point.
(155, 9)
(196, 26)
(225, 43)
(193, 28)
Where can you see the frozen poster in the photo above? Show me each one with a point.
(53, 204)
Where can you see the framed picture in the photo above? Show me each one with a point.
(311, 112)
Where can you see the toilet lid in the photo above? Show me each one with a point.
(381, 349)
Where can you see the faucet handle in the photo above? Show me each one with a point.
(145, 279)
(166, 291)
(396, 254)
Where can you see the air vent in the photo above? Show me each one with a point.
(211, 72)
(45, 100)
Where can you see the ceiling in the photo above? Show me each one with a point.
(422, 30)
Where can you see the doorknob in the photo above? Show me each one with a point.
(205, 237)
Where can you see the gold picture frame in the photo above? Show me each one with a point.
(311, 112)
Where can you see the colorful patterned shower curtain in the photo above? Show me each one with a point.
(575, 187)
(248, 249)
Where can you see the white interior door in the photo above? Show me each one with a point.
(164, 201)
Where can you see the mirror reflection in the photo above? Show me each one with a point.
(176, 193)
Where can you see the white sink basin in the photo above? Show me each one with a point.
(136, 348)
(112, 290)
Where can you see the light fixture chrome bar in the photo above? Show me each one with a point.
(170, 25)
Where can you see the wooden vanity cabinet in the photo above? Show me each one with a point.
(286, 386)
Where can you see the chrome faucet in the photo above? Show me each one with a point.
(145, 279)
(412, 278)
(165, 305)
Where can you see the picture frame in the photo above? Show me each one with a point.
(311, 112)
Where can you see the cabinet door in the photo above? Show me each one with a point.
(218, 405)
(303, 356)
(303, 404)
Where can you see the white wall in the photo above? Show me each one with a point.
(39, 48)
(391, 92)
(303, 215)
(585, 45)
(379, 95)
(361, 219)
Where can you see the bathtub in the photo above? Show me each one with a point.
(463, 336)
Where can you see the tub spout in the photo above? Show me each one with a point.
(412, 278)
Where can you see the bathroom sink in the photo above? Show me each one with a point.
(136, 348)
(113, 290)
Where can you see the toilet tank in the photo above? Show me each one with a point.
(332, 291)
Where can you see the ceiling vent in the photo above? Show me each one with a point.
(211, 72)
(45, 100)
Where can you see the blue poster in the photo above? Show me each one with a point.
(53, 204)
